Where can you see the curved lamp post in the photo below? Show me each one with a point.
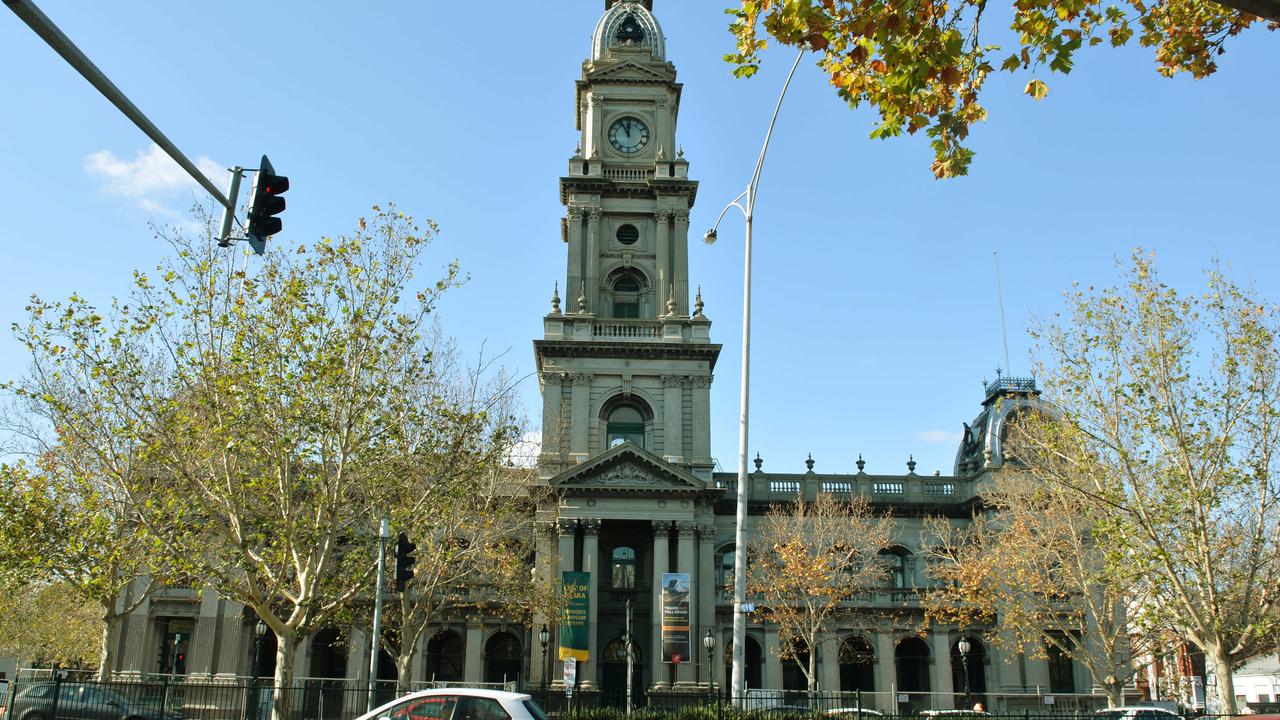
(746, 203)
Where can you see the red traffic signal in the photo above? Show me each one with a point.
(264, 204)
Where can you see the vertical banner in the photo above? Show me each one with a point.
(675, 617)
(574, 616)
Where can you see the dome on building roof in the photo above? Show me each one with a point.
(628, 22)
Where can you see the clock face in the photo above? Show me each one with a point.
(628, 135)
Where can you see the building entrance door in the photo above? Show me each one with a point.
(613, 675)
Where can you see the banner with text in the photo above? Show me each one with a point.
(574, 617)
(675, 617)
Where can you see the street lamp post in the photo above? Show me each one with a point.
(544, 637)
(748, 197)
(964, 646)
(709, 643)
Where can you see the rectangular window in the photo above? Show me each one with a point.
(626, 310)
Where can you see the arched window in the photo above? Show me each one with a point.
(446, 653)
(626, 289)
(857, 665)
(624, 568)
(625, 424)
(502, 658)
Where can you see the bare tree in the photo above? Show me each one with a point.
(806, 560)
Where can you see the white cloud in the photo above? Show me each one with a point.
(525, 452)
(938, 436)
(152, 180)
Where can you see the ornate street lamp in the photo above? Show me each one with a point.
(544, 637)
(964, 646)
(260, 633)
(709, 644)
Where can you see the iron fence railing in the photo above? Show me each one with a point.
(77, 696)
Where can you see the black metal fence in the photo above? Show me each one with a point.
(61, 696)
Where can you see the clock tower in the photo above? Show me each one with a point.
(623, 357)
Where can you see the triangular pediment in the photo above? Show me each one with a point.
(628, 468)
(629, 71)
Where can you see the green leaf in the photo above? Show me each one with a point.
(1037, 89)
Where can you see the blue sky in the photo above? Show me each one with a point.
(875, 314)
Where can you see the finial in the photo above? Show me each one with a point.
(809, 462)
(577, 151)
(758, 462)
(999, 372)
(697, 303)
(662, 152)
(911, 464)
(671, 301)
(679, 152)
(861, 463)
(582, 299)
(555, 300)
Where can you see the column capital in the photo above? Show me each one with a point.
(707, 532)
(581, 378)
(663, 215)
(681, 216)
(673, 380)
(593, 214)
(566, 526)
(552, 378)
(701, 381)
(591, 527)
(686, 529)
(660, 528)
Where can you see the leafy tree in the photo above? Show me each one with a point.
(268, 408)
(922, 65)
(1045, 568)
(1168, 439)
(806, 559)
(68, 540)
(49, 623)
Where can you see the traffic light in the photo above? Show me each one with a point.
(264, 204)
(404, 561)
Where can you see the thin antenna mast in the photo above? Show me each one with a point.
(1004, 332)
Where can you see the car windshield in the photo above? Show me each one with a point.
(1108, 713)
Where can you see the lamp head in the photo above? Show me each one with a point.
(709, 640)
(709, 237)
(260, 628)
(964, 646)
(544, 634)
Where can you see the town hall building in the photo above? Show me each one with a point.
(628, 488)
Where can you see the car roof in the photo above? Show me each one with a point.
(473, 692)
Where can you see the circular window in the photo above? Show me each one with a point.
(628, 234)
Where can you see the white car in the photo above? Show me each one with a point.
(459, 704)
(1136, 712)
(854, 713)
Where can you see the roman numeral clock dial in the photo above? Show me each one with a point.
(628, 135)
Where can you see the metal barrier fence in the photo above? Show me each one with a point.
(63, 696)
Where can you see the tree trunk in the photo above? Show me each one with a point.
(105, 657)
(1115, 694)
(282, 695)
(404, 666)
(1222, 673)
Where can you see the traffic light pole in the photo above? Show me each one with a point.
(61, 44)
(384, 532)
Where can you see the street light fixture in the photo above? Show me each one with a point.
(260, 633)
(964, 646)
(748, 197)
(544, 636)
(709, 643)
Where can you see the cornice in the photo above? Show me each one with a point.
(638, 351)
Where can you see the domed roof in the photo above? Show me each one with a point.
(628, 22)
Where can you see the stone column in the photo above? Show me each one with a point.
(544, 561)
(661, 534)
(672, 417)
(591, 564)
(580, 399)
(706, 585)
(940, 669)
(772, 663)
(205, 635)
(552, 397)
(574, 274)
(473, 665)
(829, 662)
(664, 279)
(593, 261)
(686, 561)
(886, 673)
(700, 444)
(680, 253)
